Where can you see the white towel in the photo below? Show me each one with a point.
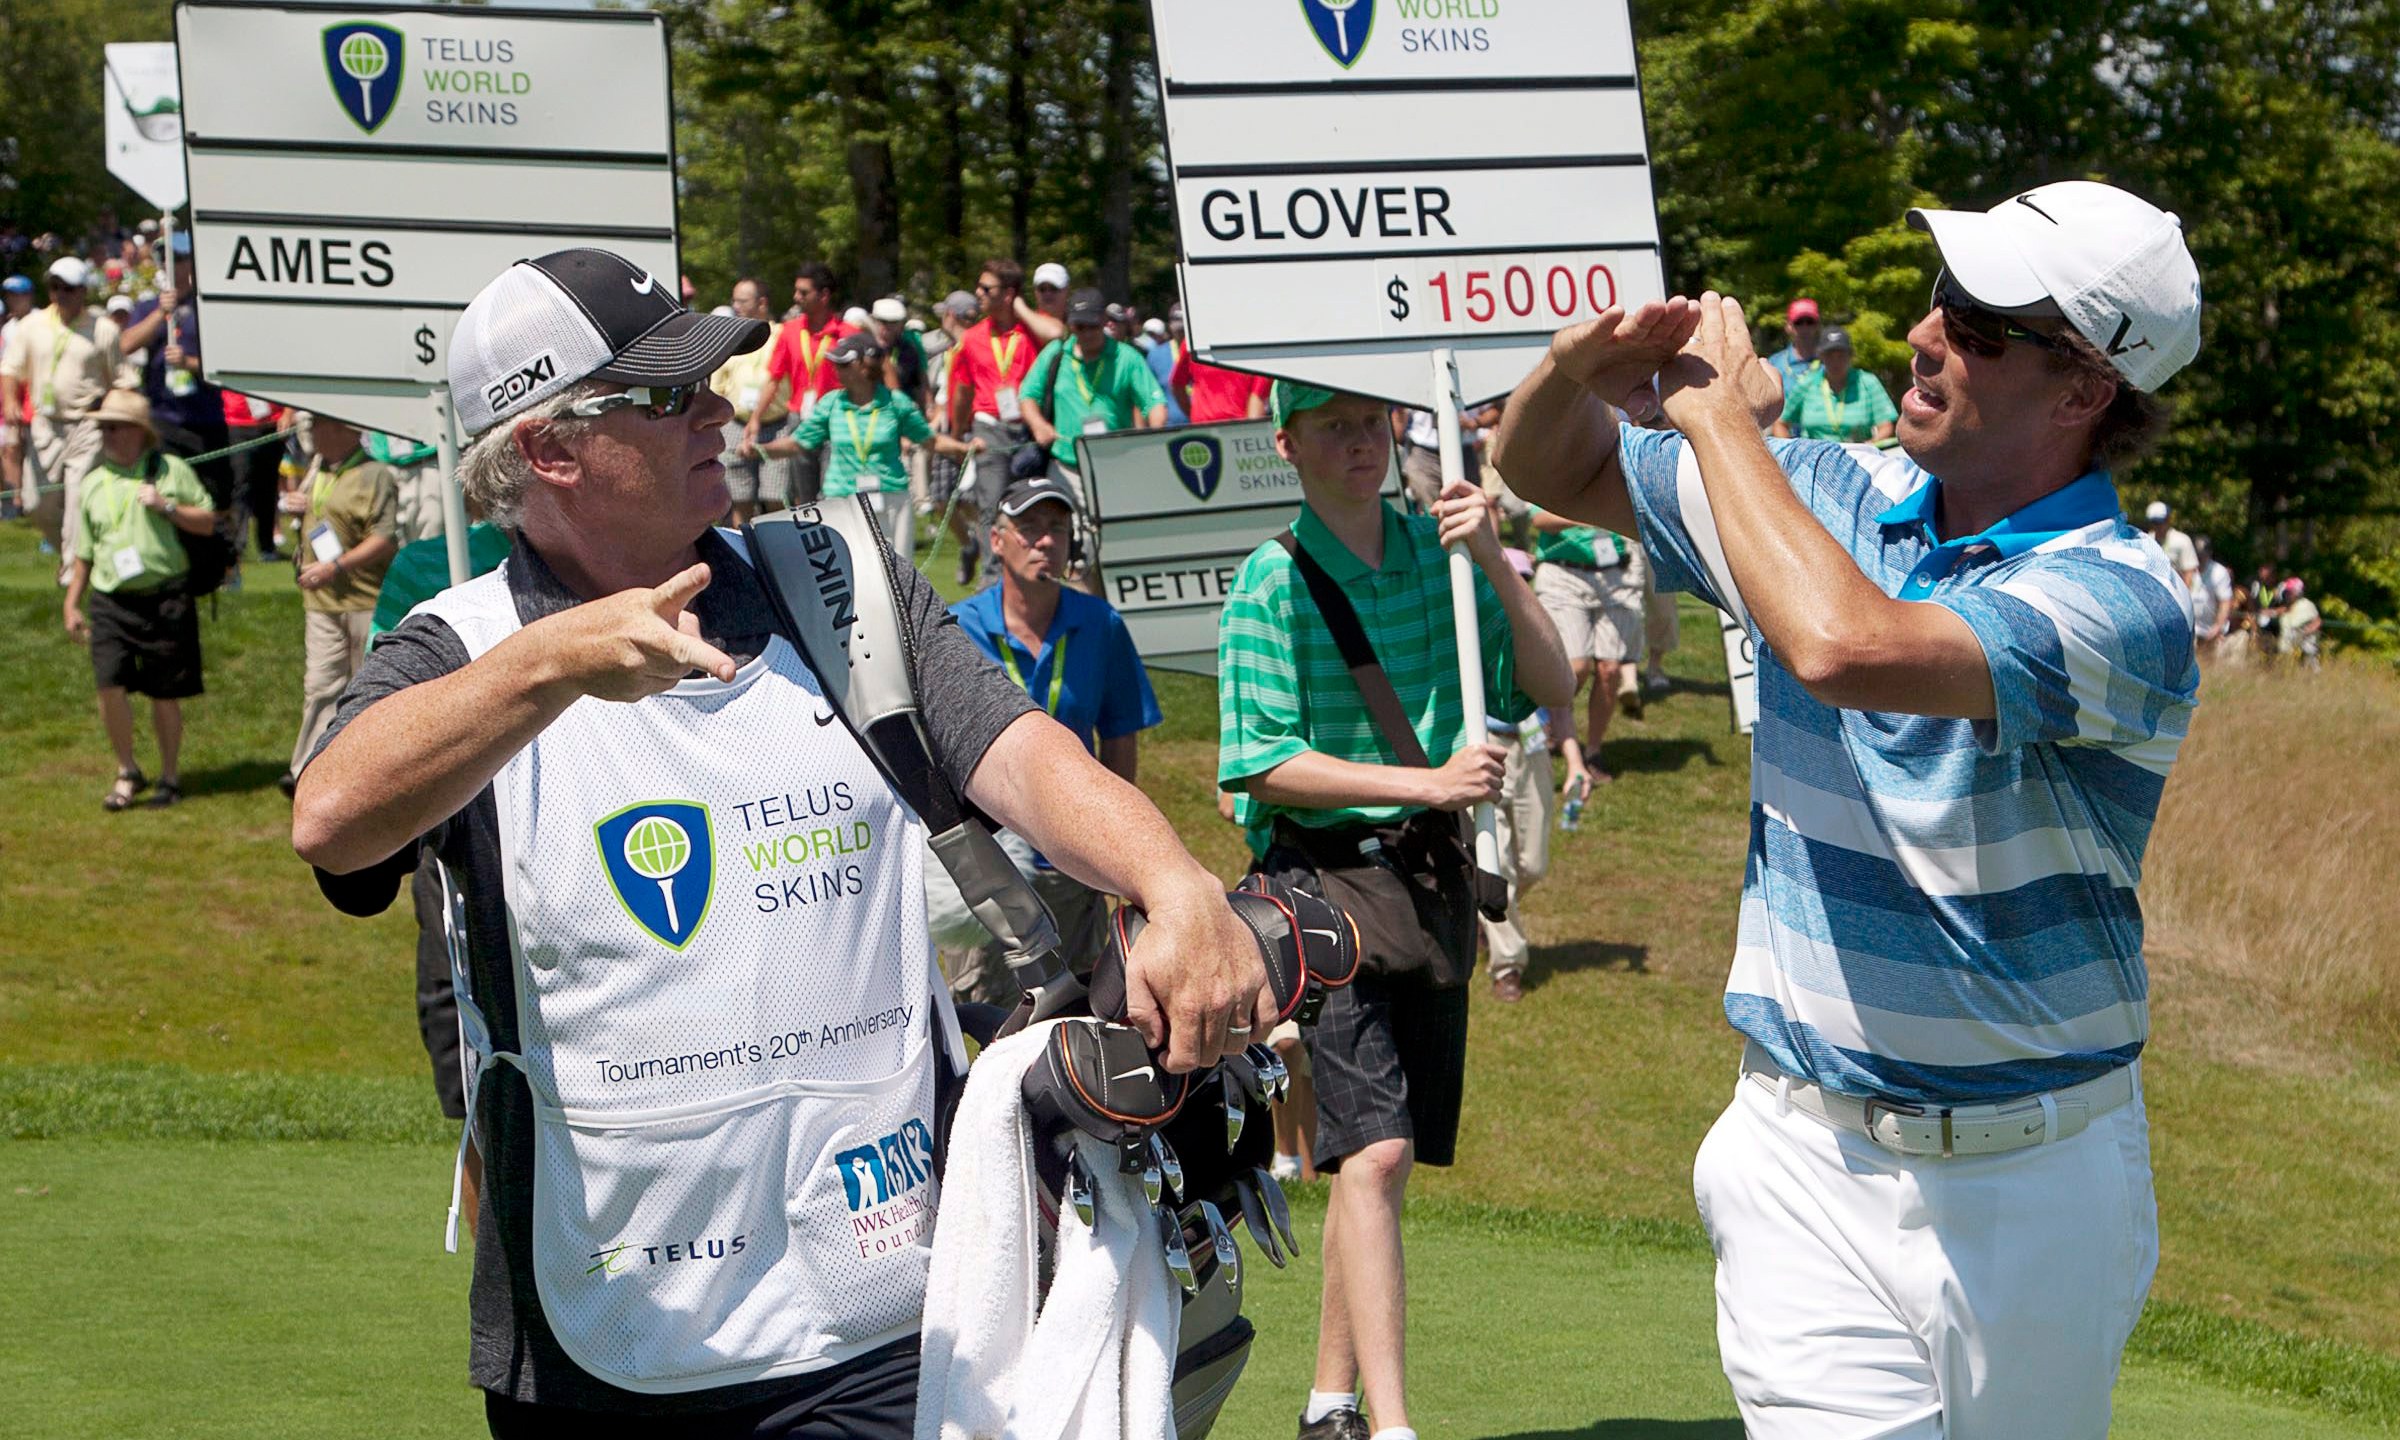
(1098, 1360)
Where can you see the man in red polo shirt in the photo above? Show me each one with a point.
(1211, 393)
(989, 368)
(801, 360)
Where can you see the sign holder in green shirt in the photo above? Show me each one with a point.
(862, 442)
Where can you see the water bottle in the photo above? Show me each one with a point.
(1570, 815)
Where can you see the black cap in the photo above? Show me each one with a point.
(1834, 340)
(857, 345)
(1087, 307)
(544, 324)
(1025, 494)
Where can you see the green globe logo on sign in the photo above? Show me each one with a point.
(662, 864)
(365, 61)
(1199, 463)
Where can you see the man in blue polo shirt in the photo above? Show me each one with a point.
(1071, 652)
(1930, 1199)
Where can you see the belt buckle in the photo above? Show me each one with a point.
(1900, 1107)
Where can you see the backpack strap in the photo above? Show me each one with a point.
(830, 574)
(1358, 653)
(1383, 704)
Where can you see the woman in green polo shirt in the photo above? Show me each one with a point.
(861, 426)
(1838, 402)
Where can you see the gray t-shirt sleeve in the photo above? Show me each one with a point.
(419, 649)
(965, 699)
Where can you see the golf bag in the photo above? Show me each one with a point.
(1200, 1143)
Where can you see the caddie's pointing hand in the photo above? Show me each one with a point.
(635, 643)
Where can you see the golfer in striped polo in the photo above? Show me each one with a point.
(1349, 804)
(1930, 1198)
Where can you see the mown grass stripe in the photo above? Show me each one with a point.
(131, 1101)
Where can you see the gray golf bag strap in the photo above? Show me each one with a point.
(831, 577)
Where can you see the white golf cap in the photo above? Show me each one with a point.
(71, 271)
(1155, 328)
(891, 310)
(2111, 262)
(1050, 272)
(855, 316)
(581, 314)
(2158, 511)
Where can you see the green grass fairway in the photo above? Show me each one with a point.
(250, 1290)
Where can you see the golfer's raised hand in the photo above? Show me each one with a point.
(1195, 984)
(636, 643)
(1616, 354)
(1718, 378)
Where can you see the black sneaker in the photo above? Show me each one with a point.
(1343, 1424)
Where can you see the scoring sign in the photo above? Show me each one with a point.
(1354, 189)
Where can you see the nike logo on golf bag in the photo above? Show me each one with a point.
(1146, 1072)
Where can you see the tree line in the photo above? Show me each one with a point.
(903, 141)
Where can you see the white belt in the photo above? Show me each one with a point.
(1947, 1130)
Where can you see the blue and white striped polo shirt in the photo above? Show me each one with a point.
(1936, 909)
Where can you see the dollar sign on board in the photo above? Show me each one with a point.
(424, 344)
(1398, 290)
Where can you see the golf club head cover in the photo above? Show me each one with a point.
(1102, 1079)
(1307, 945)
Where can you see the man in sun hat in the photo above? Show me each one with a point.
(697, 982)
(1370, 820)
(1930, 1199)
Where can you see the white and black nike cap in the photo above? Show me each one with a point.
(2109, 261)
(581, 315)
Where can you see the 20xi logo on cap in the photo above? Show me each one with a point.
(547, 323)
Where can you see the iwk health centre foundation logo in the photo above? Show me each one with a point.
(364, 61)
(1342, 26)
(661, 859)
(1199, 463)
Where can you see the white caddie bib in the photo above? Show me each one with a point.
(717, 932)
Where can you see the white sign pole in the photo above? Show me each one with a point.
(454, 499)
(166, 242)
(1462, 601)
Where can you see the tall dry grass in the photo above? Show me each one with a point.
(2272, 889)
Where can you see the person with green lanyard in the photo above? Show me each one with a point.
(1838, 402)
(143, 629)
(1590, 584)
(349, 508)
(1088, 384)
(1072, 653)
(860, 427)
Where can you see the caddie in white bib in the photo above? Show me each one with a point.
(718, 945)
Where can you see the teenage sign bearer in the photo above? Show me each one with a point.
(1930, 1198)
(1340, 769)
(698, 979)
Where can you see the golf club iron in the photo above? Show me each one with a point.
(1153, 1182)
(1279, 1210)
(1229, 1255)
(1179, 1259)
(1254, 1215)
(1162, 1155)
(1235, 1109)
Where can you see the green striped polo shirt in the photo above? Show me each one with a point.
(1282, 688)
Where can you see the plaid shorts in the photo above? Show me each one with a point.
(1390, 1063)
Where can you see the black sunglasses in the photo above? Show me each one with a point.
(1977, 329)
(659, 402)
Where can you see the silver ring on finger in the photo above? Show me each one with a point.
(1237, 1029)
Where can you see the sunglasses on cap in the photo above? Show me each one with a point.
(1977, 329)
(659, 402)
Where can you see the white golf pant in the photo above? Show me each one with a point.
(1866, 1294)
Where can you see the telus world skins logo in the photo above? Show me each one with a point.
(1341, 26)
(660, 856)
(1199, 463)
(364, 61)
